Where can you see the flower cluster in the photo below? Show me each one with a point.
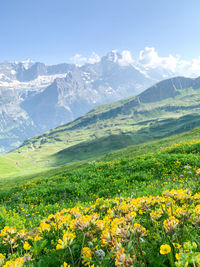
(121, 231)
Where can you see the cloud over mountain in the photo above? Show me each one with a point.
(79, 59)
(149, 60)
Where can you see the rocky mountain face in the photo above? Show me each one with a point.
(19, 81)
(35, 97)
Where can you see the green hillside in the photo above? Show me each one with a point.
(44, 209)
(170, 107)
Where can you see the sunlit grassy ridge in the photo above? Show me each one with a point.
(61, 216)
(168, 108)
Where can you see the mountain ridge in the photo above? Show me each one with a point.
(64, 92)
(27, 87)
(116, 125)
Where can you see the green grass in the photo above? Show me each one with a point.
(140, 170)
(51, 154)
(8, 166)
(20, 176)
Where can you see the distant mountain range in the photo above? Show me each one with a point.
(169, 107)
(35, 98)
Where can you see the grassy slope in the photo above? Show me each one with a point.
(103, 145)
(7, 166)
(110, 127)
(141, 170)
(127, 153)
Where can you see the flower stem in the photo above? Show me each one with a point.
(71, 256)
(140, 248)
(81, 249)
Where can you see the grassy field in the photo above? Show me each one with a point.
(29, 160)
(138, 206)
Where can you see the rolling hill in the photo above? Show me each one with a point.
(169, 107)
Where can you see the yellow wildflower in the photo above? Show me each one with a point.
(44, 226)
(176, 245)
(170, 224)
(2, 258)
(68, 238)
(26, 246)
(17, 263)
(86, 253)
(165, 249)
(37, 238)
(123, 259)
(139, 230)
(177, 256)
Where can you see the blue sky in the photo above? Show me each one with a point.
(53, 31)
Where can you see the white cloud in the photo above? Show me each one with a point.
(79, 59)
(149, 59)
(94, 58)
(195, 66)
(126, 58)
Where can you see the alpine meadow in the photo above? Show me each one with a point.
(99, 150)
